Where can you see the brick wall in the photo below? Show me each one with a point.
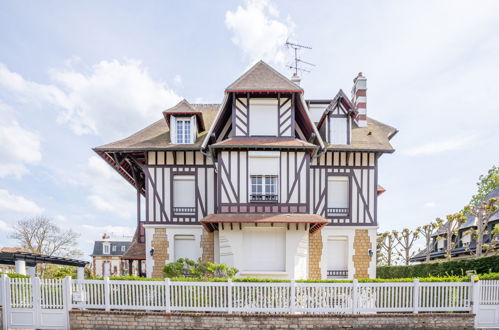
(157, 320)
(160, 245)
(314, 255)
(361, 258)
(208, 246)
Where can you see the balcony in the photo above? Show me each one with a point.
(184, 211)
(338, 211)
(263, 198)
(337, 273)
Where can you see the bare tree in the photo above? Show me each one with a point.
(450, 228)
(483, 212)
(406, 239)
(388, 246)
(426, 232)
(40, 235)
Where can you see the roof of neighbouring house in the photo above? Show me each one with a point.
(316, 221)
(262, 77)
(471, 220)
(137, 251)
(13, 250)
(157, 135)
(98, 248)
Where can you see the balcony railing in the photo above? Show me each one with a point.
(337, 211)
(263, 198)
(337, 273)
(180, 211)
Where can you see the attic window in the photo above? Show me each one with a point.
(183, 131)
(106, 248)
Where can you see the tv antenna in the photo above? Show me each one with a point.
(297, 60)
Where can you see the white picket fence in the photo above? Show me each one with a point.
(290, 297)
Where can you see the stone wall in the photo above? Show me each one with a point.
(361, 258)
(314, 255)
(157, 320)
(160, 245)
(208, 246)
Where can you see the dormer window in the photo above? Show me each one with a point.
(184, 130)
(106, 248)
(339, 130)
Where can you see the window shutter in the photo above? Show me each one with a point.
(264, 249)
(263, 117)
(338, 192)
(339, 131)
(184, 247)
(173, 129)
(184, 191)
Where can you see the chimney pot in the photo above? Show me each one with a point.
(296, 79)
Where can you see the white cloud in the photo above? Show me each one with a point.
(178, 80)
(258, 31)
(11, 202)
(108, 191)
(430, 204)
(5, 227)
(18, 146)
(112, 99)
(116, 232)
(456, 143)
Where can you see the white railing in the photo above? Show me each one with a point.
(489, 293)
(286, 297)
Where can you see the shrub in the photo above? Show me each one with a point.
(457, 267)
(189, 268)
(14, 275)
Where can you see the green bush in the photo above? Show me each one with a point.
(483, 265)
(14, 275)
(189, 268)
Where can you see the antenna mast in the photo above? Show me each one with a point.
(297, 60)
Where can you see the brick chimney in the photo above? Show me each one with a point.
(359, 99)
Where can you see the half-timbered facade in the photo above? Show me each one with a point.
(267, 181)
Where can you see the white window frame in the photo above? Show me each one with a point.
(113, 248)
(106, 249)
(182, 135)
(123, 248)
(268, 192)
(333, 210)
(183, 177)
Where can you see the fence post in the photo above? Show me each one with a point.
(355, 293)
(107, 294)
(415, 296)
(229, 295)
(5, 299)
(167, 295)
(68, 289)
(292, 298)
(475, 300)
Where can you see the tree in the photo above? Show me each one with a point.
(486, 184)
(427, 232)
(406, 239)
(388, 247)
(483, 212)
(41, 236)
(451, 228)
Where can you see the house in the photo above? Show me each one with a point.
(465, 243)
(267, 181)
(107, 257)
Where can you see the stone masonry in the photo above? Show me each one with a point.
(361, 258)
(208, 246)
(160, 245)
(157, 320)
(314, 255)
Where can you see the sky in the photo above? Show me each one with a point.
(75, 75)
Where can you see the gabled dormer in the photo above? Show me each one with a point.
(335, 124)
(185, 123)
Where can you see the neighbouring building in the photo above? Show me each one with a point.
(107, 257)
(465, 242)
(268, 181)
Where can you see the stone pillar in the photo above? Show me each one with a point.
(80, 273)
(20, 267)
(208, 246)
(160, 245)
(314, 255)
(361, 258)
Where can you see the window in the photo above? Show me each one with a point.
(114, 248)
(106, 248)
(184, 131)
(338, 191)
(185, 247)
(337, 257)
(263, 188)
(184, 195)
(339, 130)
(263, 117)
(123, 248)
(264, 249)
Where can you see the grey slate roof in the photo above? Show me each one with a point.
(262, 77)
(98, 249)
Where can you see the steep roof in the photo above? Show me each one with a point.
(262, 77)
(157, 135)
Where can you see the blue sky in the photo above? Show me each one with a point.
(74, 75)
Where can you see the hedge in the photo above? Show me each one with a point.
(482, 265)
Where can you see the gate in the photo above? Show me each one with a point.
(35, 303)
(487, 312)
